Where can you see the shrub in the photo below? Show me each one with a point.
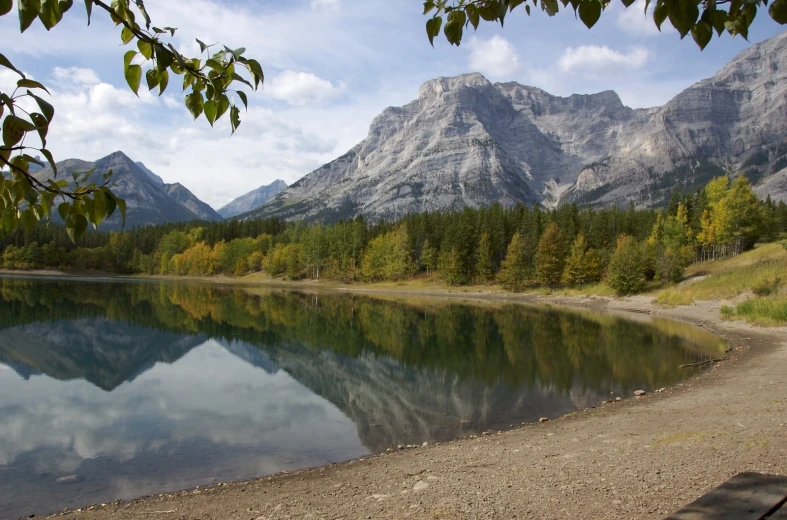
(767, 287)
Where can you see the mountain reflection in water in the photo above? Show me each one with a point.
(115, 390)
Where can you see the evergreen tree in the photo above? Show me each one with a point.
(549, 257)
(626, 271)
(429, 257)
(515, 268)
(484, 259)
(583, 265)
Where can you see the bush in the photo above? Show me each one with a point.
(767, 287)
(763, 311)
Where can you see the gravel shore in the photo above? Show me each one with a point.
(639, 458)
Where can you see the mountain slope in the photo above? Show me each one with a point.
(252, 200)
(147, 201)
(149, 172)
(188, 200)
(468, 142)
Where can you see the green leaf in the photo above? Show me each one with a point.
(163, 81)
(28, 219)
(134, 77)
(683, 15)
(194, 103)
(50, 159)
(589, 12)
(152, 78)
(628, 3)
(145, 49)
(202, 46)
(63, 210)
(99, 208)
(7, 64)
(702, 34)
(210, 111)
(428, 6)
(126, 35)
(453, 32)
(127, 57)
(778, 11)
(660, 14)
(110, 201)
(89, 9)
(222, 105)
(13, 131)
(29, 83)
(76, 225)
(256, 72)
(242, 96)
(433, 28)
(46, 109)
(121, 204)
(234, 118)
(6, 6)
(28, 12)
(42, 125)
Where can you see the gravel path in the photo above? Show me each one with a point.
(639, 458)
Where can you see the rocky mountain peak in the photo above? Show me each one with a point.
(433, 89)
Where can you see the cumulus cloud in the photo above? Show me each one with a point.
(495, 57)
(634, 20)
(75, 75)
(597, 60)
(301, 88)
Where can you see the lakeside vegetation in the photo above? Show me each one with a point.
(518, 248)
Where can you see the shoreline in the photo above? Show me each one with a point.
(336, 488)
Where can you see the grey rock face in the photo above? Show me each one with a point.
(252, 200)
(153, 176)
(468, 142)
(147, 202)
(188, 200)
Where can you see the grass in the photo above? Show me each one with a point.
(770, 310)
(730, 277)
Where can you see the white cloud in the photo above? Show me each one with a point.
(495, 57)
(326, 5)
(635, 21)
(75, 75)
(301, 88)
(597, 60)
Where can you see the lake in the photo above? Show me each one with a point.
(113, 389)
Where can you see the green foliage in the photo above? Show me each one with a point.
(516, 267)
(583, 265)
(626, 271)
(696, 17)
(26, 199)
(762, 311)
(549, 256)
(388, 257)
(484, 259)
(450, 267)
(767, 287)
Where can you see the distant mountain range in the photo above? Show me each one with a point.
(468, 142)
(252, 200)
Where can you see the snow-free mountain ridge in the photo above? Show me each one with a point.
(468, 142)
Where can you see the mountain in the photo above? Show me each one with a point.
(148, 202)
(188, 200)
(252, 200)
(468, 142)
(153, 176)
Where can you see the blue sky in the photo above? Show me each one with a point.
(330, 66)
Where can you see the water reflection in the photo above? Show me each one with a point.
(117, 390)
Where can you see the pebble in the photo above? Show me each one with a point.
(399, 447)
(543, 419)
(618, 399)
(420, 486)
(425, 444)
(639, 393)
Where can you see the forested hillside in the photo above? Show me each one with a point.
(516, 247)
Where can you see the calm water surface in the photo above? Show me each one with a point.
(115, 390)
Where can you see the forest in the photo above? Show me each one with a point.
(515, 247)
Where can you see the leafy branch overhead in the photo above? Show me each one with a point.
(701, 18)
(212, 82)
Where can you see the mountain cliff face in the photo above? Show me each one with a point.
(468, 142)
(252, 200)
(188, 200)
(148, 201)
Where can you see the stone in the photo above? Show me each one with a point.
(420, 486)
(425, 444)
(618, 399)
(639, 393)
(543, 419)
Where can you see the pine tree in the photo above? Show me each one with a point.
(429, 257)
(549, 257)
(450, 266)
(516, 268)
(484, 261)
(583, 265)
